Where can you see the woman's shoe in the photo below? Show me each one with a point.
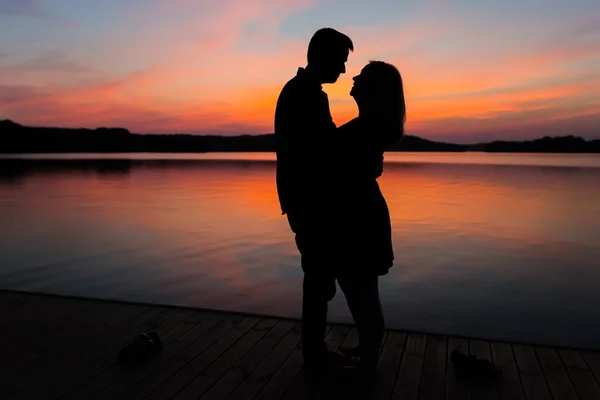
(352, 352)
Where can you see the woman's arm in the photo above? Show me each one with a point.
(356, 152)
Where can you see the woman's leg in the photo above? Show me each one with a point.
(362, 296)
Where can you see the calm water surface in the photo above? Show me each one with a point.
(504, 246)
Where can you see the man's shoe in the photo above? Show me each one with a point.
(361, 374)
(325, 366)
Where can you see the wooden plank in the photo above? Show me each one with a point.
(557, 378)
(64, 334)
(211, 374)
(592, 359)
(56, 381)
(283, 379)
(244, 367)
(15, 307)
(121, 379)
(27, 323)
(30, 334)
(168, 367)
(92, 380)
(301, 388)
(534, 384)
(336, 336)
(111, 326)
(34, 377)
(100, 381)
(334, 339)
(586, 386)
(10, 300)
(269, 366)
(409, 373)
(509, 386)
(102, 358)
(50, 374)
(203, 353)
(482, 390)
(28, 307)
(81, 338)
(388, 364)
(119, 330)
(352, 338)
(433, 376)
(456, 388)
(32, 305)
(147, 377)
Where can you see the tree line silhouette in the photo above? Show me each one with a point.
(16, 138)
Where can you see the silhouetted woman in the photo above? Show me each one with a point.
(364, 228)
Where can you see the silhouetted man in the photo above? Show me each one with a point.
(305, 133)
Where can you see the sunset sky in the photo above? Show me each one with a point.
(474, 70)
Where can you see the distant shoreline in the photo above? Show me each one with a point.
(19, 139)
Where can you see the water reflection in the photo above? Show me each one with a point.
(506, 252)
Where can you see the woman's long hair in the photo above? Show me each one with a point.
(388, 93)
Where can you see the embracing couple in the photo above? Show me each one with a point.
(327, 187)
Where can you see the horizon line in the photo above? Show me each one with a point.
(272, 133)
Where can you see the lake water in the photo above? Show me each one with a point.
(503, 246)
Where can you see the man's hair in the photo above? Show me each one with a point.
(326, 41)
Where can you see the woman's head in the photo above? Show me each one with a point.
(379, 94)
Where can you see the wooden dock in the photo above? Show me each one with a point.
(65, 348)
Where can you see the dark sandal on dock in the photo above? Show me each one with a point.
(140, 349)
(472, 367)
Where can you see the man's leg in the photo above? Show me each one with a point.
(362, 296)
(318, 289)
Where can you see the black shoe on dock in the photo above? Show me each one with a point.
(472, 367)
(140, 349)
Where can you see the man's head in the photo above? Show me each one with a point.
(327, 54)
